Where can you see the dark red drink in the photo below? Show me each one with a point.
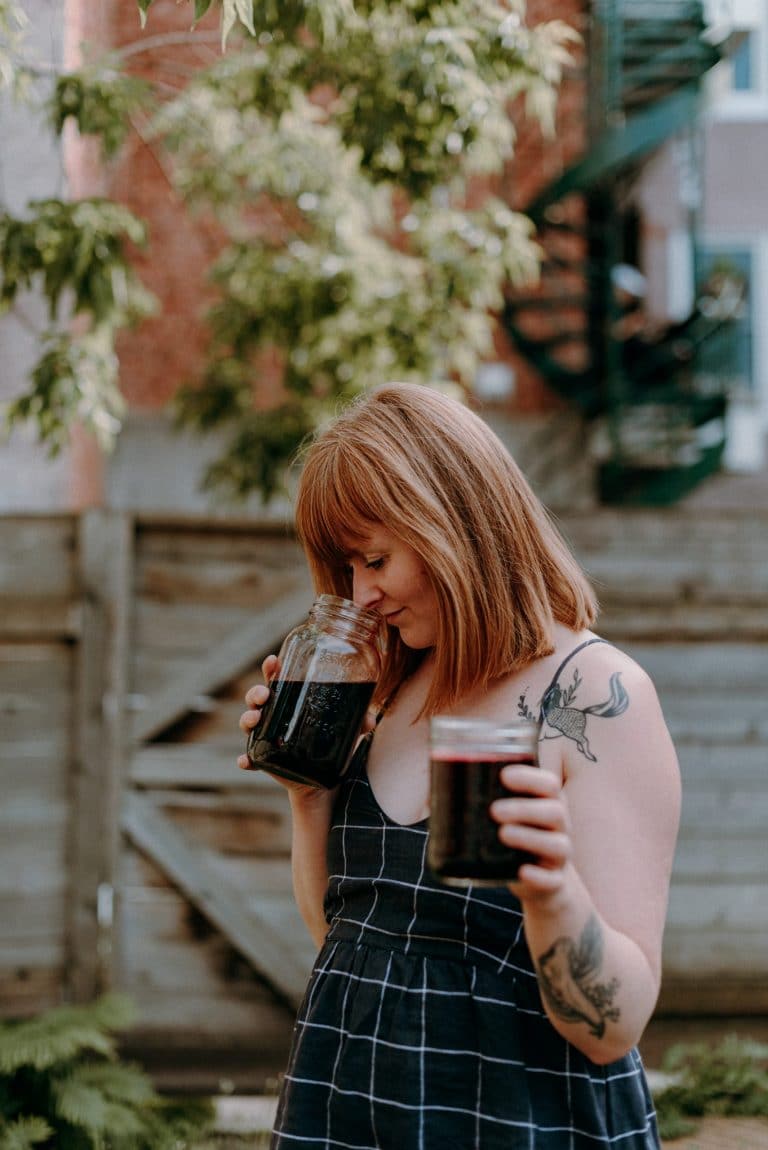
(464, 844)
(308, 730)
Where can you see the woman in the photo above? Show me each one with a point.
(481, 1018)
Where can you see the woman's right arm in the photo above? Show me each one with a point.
(311, 819)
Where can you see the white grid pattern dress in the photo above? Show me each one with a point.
(422, 1027)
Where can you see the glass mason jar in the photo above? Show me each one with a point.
(329, 666)
(466, 757)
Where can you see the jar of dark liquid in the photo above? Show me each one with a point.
(329, 667)
(466, 757)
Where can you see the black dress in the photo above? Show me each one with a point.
(422, 1027)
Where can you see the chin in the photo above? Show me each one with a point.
(417, 642)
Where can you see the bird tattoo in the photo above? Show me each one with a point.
(568, 980)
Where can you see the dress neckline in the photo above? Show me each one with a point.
(362, 774)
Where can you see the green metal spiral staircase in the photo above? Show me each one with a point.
(646, 62)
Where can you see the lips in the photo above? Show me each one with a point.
(392, 617)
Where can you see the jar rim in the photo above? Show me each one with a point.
(349, 609)
(483, 730)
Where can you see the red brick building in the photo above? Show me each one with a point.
(554, 342)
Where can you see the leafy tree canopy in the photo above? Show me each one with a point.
(336, 142)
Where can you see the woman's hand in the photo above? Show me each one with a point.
(535, 819)
(256, 698)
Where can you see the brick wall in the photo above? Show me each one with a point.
(169, 350)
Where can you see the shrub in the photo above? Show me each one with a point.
(728, 1079)
(63, 1085)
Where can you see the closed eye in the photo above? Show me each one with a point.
(374, 564)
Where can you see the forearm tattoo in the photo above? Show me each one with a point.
(568, 980)
(559, 715)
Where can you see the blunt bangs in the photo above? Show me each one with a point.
(332, 506)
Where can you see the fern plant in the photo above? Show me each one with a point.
(730, 1079)
(63, 1085)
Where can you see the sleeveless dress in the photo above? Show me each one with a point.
(422, 1027)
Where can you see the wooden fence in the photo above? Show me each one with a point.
(134, 854)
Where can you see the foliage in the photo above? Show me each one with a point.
(79, 254)
(62, 1085)
(728, 1079)
(337, 145)
(101, 101)
(15, 74)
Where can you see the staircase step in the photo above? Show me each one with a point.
(661, 11)
(547, 303)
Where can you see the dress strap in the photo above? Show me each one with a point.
(359, 757)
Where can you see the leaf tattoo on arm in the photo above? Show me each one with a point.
(524, 711)
(568, 980)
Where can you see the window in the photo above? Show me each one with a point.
(743, 69)
(724, 285)
(738, 85)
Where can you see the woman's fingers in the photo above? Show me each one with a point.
(548, 813)
(536, 882)
(527, 780)
(551, 848)
(250, 719)
(534, 818)
(257, 696)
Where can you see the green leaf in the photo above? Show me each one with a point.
(24, 1133)
(232, 11)
(80, 1104)
(201, 7)
(143, 9)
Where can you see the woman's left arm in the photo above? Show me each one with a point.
(604, 829)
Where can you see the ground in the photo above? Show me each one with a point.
(243, 1116)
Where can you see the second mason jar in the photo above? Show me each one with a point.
(466, 758)
(329, 667)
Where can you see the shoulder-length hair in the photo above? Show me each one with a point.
(433, 474)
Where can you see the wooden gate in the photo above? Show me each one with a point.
(208, 940)
(135, 854)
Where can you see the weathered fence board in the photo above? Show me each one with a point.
(38, 556)
(40, 622)
(136, 854)
(216, 899)
(227, 659)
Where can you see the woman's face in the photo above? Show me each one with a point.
(388, 577)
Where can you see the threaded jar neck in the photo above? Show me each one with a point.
(452, 733)
(345, 616)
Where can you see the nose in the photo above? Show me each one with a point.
(365, 589)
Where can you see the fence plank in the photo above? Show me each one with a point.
(258, 939)
(105, 549)
(38, 554)
(38, 618)
(230, 658)
(200, 765)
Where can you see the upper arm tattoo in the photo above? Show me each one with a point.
(567, 978)
(559, 713)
